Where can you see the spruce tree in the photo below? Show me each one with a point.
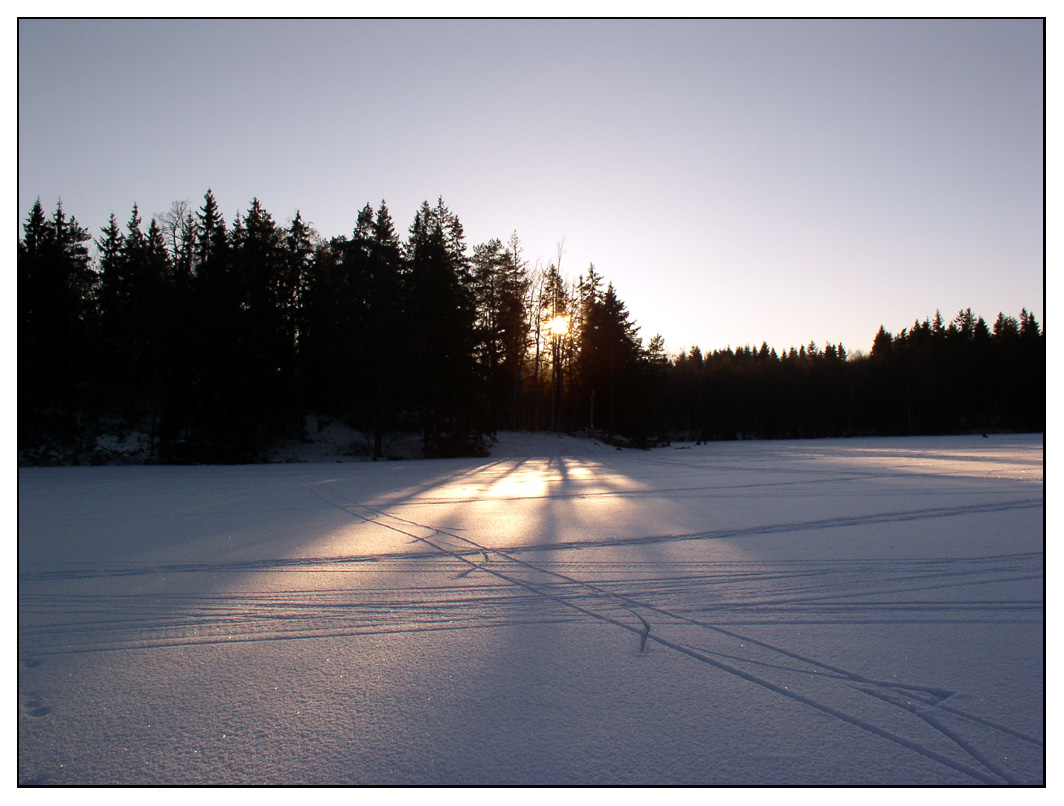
(56, 288)
(440, 313)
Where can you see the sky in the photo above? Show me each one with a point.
(738, 181)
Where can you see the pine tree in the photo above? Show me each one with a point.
(440, 313)
(210, 236)
(109, 263)
(56, 288)
(372, 269)
(609, 352)
(882, 343)
(385, 240)
(261, 349)
(33, 302)
(138, 314)
(297, 256)
(1006, 328)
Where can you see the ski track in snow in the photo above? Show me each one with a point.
(710, 612)
(987, 772)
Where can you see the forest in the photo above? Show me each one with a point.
(218, 338)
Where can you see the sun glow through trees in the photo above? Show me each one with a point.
(559, 325)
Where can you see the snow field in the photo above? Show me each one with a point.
(827, 612)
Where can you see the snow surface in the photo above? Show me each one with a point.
(822, 612)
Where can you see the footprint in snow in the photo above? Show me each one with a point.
(37, 780)
(35, 705)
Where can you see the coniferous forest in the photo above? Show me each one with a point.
(217, 338)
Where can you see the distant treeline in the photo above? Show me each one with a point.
(217, 339)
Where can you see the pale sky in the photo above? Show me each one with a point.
(737, 181)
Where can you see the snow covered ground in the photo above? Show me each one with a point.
(823, 612)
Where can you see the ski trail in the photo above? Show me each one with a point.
(475, 567)
(989, 775)
(857, 722)
(529, 586)
(937, 694)
(802, 526)
(927, 714)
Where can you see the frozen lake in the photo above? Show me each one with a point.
(823, 612)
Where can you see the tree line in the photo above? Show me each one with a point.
(216, 338)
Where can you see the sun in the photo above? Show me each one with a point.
(559, 325)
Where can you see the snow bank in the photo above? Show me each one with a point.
(333, 441)
(513, 444)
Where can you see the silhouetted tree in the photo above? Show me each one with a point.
(440, 315)
(218, 339)
(55, 299)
